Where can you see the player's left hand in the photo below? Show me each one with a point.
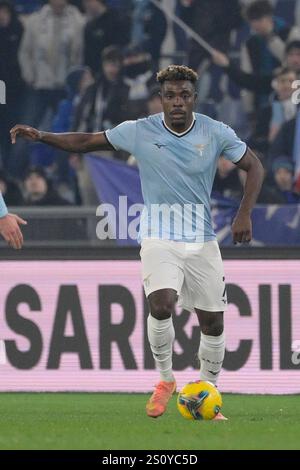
(241, 228)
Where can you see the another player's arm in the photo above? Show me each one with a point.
(242, 226)
(250, 81)
(78, 142)
(9, 226)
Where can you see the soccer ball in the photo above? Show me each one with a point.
(199, 400)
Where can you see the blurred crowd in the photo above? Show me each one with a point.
(87, 65)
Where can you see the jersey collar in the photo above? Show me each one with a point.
(179, 134)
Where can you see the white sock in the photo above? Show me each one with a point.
(211, 355)
(161, 335)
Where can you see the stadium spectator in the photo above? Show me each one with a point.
(38, 190)
(180, 36)
(269, 193)
(107, 28)
(213, 20)
(297, 13)
(104, 104)
(283, 173)
(264, 51)
(154, 103)
(28, 6)
(90, 9)
(288, 10)
(149, 28)
(78, 4)
(138, 75)
(254, 81)
(227, 182)
(281, 109)
(51, 46)
(78, 81)
(284, 142)
(11, 31)
(10, 190)
(287, 143)
(122, 5)
(138, 15)
(292, 56)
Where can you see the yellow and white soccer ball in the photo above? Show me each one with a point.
(199, 400)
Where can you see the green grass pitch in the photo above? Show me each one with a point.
(118, 421)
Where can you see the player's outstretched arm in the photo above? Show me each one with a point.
(242, 227)
(78, 142)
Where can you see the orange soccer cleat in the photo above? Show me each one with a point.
(157, 404)
(220, 417)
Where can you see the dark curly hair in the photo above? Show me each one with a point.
(258, 10)
(177, 72)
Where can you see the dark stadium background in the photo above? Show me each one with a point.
(68, 289)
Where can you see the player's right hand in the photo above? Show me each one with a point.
(241, 228)
(29, 133)
(10, 230)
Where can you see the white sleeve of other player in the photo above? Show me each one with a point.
(3, 208)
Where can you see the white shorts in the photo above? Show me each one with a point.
(194, 270)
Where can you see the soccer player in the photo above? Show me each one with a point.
(177, 152)
(9, 226)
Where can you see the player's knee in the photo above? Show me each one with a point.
(213, 325)
(162, 304)
(213, 330)
(162, 309)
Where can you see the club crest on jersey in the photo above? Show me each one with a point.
(200, 148)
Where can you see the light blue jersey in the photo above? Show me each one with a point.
(177, 169)
(3, 208)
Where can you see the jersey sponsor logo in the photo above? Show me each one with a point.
(159, 146)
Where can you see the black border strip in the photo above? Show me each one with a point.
(139, 458)
(108, 141)
(181, 135)
(242, 155)
(95, 253)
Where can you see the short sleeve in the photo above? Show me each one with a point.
(122, 137)
(3, 208)
(232, 147)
